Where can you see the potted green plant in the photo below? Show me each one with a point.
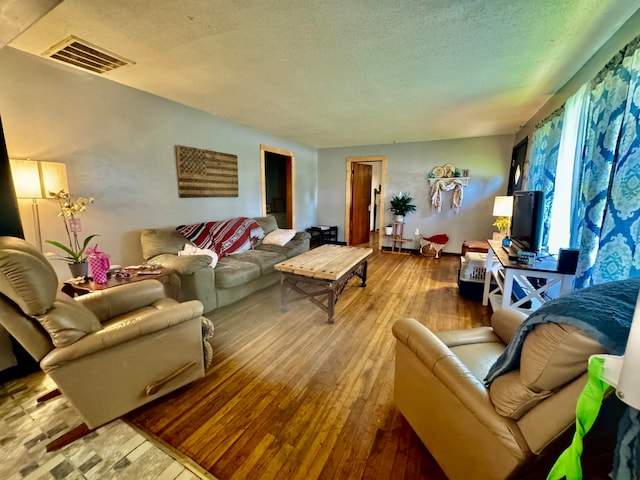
(74, 252)
(401, 204)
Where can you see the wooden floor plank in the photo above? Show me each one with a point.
(291, 396)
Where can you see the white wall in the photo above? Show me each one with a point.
(118, 144)
(408, 166)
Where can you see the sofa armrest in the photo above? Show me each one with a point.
(505, 322)
(106, 304)
(182, 264)
(301, 240)
(126, 330)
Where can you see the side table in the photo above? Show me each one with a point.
(168, 277)
(322, 234)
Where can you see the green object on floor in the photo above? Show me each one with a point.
(587, 408)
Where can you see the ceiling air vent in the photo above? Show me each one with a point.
(81, 54)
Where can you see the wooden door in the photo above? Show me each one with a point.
(360, 203)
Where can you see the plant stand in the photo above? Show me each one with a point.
(398, 240)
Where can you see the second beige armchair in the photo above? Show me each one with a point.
(518, 426)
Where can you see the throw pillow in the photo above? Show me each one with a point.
(191, 250)
(280, 236)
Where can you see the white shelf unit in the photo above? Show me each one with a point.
(449, 180)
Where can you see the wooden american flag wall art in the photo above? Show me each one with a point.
(205, 173)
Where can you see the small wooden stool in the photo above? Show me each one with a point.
(480, 246)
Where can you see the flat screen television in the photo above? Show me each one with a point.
(526, 222)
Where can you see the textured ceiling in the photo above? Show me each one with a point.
(344, 72)
(17, 15)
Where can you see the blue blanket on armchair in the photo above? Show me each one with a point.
(604, 312)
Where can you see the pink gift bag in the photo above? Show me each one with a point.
(99, 264)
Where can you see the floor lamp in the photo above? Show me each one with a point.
(34, 179)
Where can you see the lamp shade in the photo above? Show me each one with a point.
(503, 206)
(26, 178)
(33, 179)
(54, 178)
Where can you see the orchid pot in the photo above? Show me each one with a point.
(80, 269)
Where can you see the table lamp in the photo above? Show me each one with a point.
(503, 207)
(34, 179)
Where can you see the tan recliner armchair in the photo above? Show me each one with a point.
(108, 352)
(518, 426)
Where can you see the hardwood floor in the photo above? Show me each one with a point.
(291, 397)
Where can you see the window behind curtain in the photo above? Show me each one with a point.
(564, 219)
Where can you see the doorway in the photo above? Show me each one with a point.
(364, 198)
(277, 170)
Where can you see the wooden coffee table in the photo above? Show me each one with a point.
(328, 267)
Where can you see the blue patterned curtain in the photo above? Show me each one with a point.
(543, 163)
(609, 206)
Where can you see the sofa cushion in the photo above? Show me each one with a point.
(268, 223)
(264, 259)
(280, 237)
(184, 265)
(231, 272)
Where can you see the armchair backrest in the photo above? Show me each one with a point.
(553, 355)
(26, 276)
(32, 309)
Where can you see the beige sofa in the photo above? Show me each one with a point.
(517, 427)
(234, 277)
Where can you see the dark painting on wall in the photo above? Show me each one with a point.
(205, 173)
(518, 156)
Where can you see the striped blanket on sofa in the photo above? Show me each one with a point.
(224, 237)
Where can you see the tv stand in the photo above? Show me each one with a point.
(508, 273)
